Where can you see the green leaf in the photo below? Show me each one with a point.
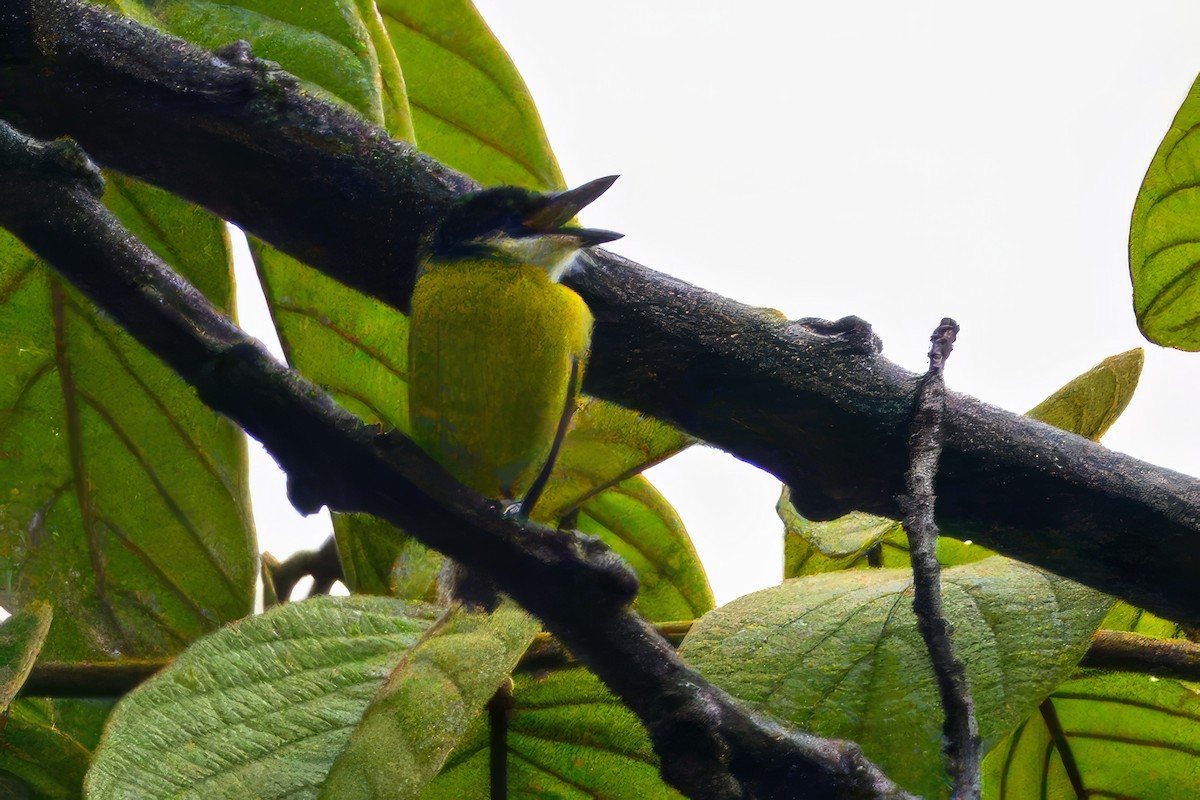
(1110, 735)
(640, 526)
(260, 708)
(21, 638)
(840, 655)
(810, 547)
(1087, 405)
(335, 47)
(470, 107)
(379, 558)
(356, 348)
(1164, 235)
(45, 747)
(1092, 402)
(606, 444)
(568, 737)
(425, 706)
(126, 502)
(1125, 617)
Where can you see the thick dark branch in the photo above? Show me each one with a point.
(811, 402)
(960, 730)
(1131, 652)
(711, 746)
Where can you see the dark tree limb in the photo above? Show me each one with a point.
(1132, 652)
(960, 730)
(810, 401)
(1110, 650)
(709, 744)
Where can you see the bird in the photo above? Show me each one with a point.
(497, 344)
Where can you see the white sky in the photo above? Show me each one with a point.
(897, 161)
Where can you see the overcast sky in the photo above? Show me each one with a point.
(897, 161)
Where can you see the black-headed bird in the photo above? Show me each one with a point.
(496, 344)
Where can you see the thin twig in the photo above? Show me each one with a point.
(962, 742)
(499, 711)
(322, 564)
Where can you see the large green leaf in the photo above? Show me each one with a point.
(1103, 735)
(568, 738)
(1087, 405)
(337, 48)
(840, 655)
(125, 501)
(640, 526)
(260, 708)
(46, 746)
(1164, 235)
(425, 706)
(470, 107)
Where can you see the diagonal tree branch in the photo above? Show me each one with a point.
(709, 744)
(810, 401)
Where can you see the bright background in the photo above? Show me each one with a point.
(896, 161)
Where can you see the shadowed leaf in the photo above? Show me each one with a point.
(428, 701)
(568, 738)
(21, 638)
(46, 747)
(128, 503)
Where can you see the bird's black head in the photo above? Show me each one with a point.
(479, 219)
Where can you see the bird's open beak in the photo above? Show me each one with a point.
(561, 207)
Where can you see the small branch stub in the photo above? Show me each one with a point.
(961, 731)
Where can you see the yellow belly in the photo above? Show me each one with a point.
(490, 351)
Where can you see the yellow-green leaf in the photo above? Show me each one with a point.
(470, 107)
(1164, 235)
(640, 526)
(126, 503)
(607, 444)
